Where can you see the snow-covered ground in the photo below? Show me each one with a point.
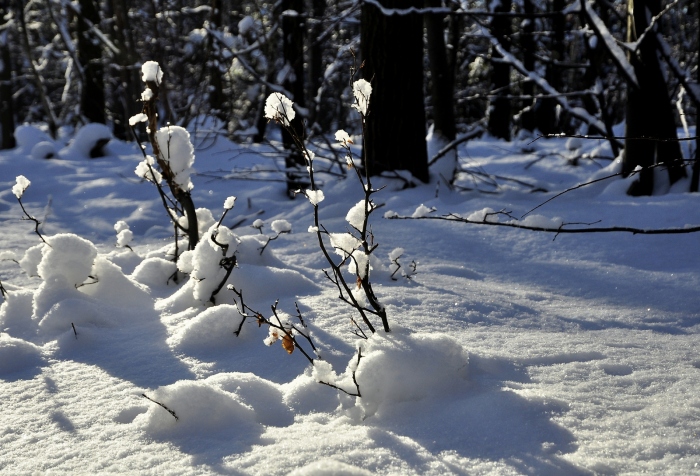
(510, 353)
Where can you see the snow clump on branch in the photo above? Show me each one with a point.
(146, 170)
(150, 71)
(279, 107)
(362, 90)
(315, 196)
(178, 152)
(342, 136)
(21, 186)
(230, 201)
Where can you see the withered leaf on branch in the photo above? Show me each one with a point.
(288, 344)
(359, 282)
(260, 319)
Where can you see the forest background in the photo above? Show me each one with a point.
(462, 67)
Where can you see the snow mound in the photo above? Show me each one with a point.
(43, 150)
(202, 411)
(69, 256)
(154, 272)
(28, 136)
(16, 314)
(74, 311)
(261, 286)
(17, 354)
(115, 289)
(265, 397)
(211, 331)
(329, 467)
(88, 142)
(400, 366)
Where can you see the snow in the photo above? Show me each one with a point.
(21, 184)
(422, 211)
(245, 25)
(229, 202)
(362, 90)
(135, 119)
(281, 226)
(356, 215)
(150, 71)
(146, 169)
(343, 137)
(315, 196)
(86, 139)
(509, 352)
(279, 107)
(177, 150)
(44, 150)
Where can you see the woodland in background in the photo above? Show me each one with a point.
(506, 67)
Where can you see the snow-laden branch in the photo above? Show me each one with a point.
(603, 34)
(491, 218)
(683, 77)
(577, 112)
(476, 132)
(634, 45)
(459, 11)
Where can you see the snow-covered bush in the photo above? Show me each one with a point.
(173, 154)
(354, 247)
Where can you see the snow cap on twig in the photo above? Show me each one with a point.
(362, 90)
(21, 186)
(279, 107)
(150, 71)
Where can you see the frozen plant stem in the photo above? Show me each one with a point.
(288, 333)
(161, 405)
(29, 217)
(182, 196)
(279, 109)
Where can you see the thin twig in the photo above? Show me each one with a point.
(162, 405)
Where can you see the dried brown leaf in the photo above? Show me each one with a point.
(288, 344)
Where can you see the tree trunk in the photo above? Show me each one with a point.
(125, 93)
(441, 74)
(217, 99)
(316, 63)
(392, 52)
(293, 52)
(649, 110)
(499, 109)
(92, 98)
(7, 112)
(527, 118)
(695, 179)
(546, 110)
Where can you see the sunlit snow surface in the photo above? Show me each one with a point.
(511, 352)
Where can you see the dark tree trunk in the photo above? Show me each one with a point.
(316, 63)
(92, 99)
(546, 114)
(293, 52)
(649, 110)
(695, 179)
(527, 119)
(392, 51)
(125, 93)
(499, 109)
(7, 112)
(441, 74)
(217, 99)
